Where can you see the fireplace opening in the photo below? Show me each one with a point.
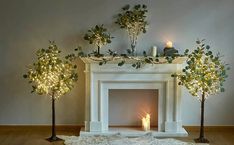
(127, 107)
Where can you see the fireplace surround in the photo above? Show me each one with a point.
(101, 79)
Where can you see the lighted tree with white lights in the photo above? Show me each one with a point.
(203, 76)
(53, 76)
(133, 20)
(98, 36)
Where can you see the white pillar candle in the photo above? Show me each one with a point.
(154, 51)
(169, 44)
(146, 123)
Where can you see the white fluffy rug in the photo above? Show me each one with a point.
(120, 140)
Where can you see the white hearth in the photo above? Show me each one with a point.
(101, 79)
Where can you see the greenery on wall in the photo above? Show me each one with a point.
(133, 20)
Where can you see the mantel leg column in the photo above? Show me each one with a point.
(87, 97)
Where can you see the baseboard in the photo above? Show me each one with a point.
(78, 127)
(40, 127)
(211, 128)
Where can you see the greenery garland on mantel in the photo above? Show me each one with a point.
(136, 62)
(132, 60)
(121, 59)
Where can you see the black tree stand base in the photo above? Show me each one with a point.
(201, 140)
(53, 138)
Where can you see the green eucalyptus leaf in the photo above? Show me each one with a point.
(100, 63)
(222, 90)
(121, 63)
(129, 51)
(147, 60)
(126, 7)
(198, 42)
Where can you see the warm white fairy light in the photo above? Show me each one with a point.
(134, 21)
(98, 36)
(204, 73)
(51, 75)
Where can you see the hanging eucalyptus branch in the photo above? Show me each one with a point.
(98, 36)
(134, 21)
(121, 59)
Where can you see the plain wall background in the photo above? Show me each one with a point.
(27, 25)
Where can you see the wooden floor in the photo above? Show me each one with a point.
(36, 136)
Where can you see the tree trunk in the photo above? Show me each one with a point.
(53, 117)
(53, 136)
(133, 47)
(201, 138)
(98, 51)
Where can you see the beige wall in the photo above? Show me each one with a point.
(26, 25)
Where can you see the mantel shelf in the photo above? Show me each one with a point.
(111, 60)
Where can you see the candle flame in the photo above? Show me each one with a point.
(147, 116)
(169, 44)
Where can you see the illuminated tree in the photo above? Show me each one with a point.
(203, 76)
(134, 21)
(98, 36)
(53, 76)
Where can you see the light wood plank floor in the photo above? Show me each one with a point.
(37, 136)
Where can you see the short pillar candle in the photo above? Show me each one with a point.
(154, 51)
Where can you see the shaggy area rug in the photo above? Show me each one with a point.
(120, 140)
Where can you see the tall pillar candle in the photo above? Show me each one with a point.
(146, 123)
(154, 51)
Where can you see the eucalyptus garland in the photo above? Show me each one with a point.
(121, 59)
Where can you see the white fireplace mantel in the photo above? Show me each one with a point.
(100, 79)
